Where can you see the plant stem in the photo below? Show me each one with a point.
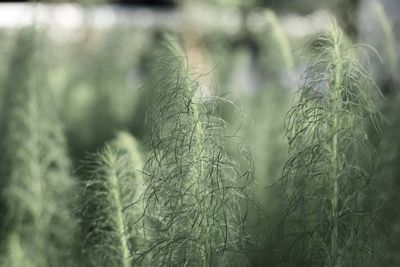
(337, 69)
(198, 171)
(114, 188)
(334, 161)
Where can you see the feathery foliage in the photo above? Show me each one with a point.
(108, 208)
(35, 178)
(194, 192)
(328, 178)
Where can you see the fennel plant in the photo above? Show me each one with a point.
(329, 187)
(109, 205)
(194, 192)
(35, 176)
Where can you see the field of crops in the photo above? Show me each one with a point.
(204, 135)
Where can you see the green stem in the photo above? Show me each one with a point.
(114, 189)
(337, 69)
(199, 171)
(335, 192)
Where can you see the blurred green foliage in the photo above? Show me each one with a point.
(35, 178)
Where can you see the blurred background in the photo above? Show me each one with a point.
(252, 52)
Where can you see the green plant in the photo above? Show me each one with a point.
(331, 196)
(109, 205)
(194, 192)
(280, 39)
(390, 43)
(35, 179)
